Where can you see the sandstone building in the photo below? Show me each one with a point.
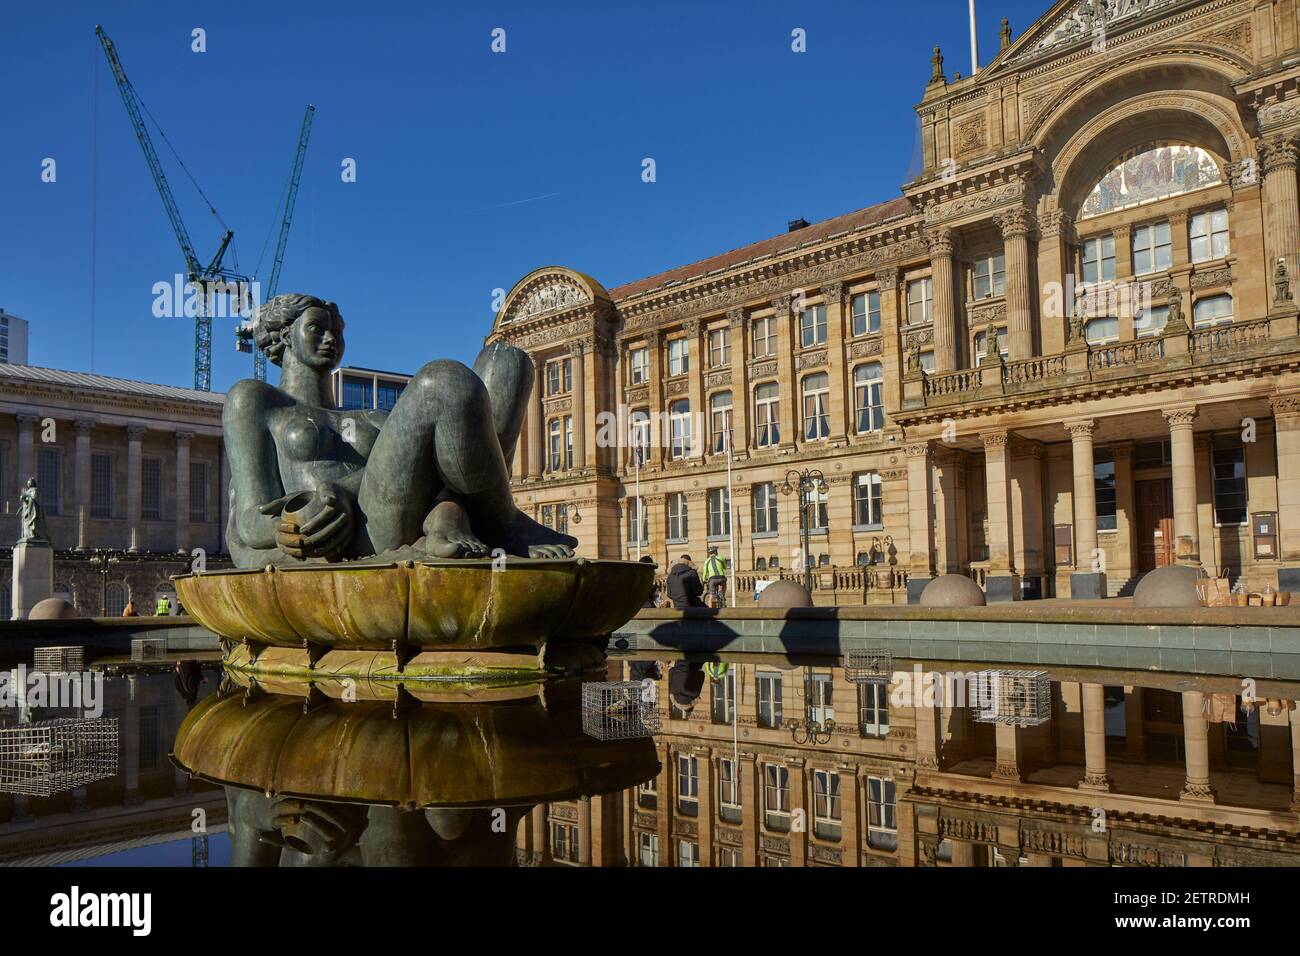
(1064, 356)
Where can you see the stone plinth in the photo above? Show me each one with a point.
(33, 580)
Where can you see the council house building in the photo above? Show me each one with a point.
(1064, 356)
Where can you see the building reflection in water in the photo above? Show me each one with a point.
(1136, 769)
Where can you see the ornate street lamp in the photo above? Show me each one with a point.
(805, 482)
(103, 560)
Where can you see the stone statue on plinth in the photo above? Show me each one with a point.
(429, 479)
(34, 529)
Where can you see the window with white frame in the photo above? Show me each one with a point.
(873, 709)
(981, 343)
(688, 784)
(729, 808)
(719, 513)
(720, 421)
(812, 326)
(767, 429)
(868, 400)
(638, 520)
(1150, 321)
(115, 598)
(1213, 310)
(990, 276)
(638, 364)
(562, 518)
(818, 688)
(639, 437)
(564, 842)
(647, 794)
(719, 347)
(882, 828)
(679, 356)
(49, 479)
(722, 692)
(816, 504)
(763, 336)
(1208, 232)
(559, 376)
(1101, 331)
(816, 406)
(1152, 248)
(927, 362)
(776, 797)
(769, 699)
(1099, 259)
(648, 848)
(729, 856)
(678, 527)
(920, 301)
(867, 499)
(826, 804)
(688, 853)
(865, 310)
(101, 485)
(763, 497)
(679, 428)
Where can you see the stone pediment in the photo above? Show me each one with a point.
(1086, 22)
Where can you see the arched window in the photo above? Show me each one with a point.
(1149, 173)
(114, 598)
(760, 564)
(868, 406)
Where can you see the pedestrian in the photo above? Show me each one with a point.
(715, 576)
(684, 587)
(656, 593)
(163, 607)
(129, 610)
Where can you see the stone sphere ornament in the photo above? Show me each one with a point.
(785, 594)
(1171, 586)
(952, 590)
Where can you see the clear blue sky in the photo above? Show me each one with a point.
(473, 167)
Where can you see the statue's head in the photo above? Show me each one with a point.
(31, 482)
(308, 328)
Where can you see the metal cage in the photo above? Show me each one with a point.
(52, 756)
(873, 666)
(59, 660)
(148, 648)
(620, 710)
(1019, 698)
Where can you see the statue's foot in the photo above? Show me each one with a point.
(448, 535)
(528, 538)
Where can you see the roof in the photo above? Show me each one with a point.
(786, 242)
(105, 383)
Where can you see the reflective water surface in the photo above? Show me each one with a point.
(766, 761)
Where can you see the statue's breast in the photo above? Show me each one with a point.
(305, 439)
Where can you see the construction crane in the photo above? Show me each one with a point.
(209, 280)
(244, 341)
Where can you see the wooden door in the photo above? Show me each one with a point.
(1155, 523)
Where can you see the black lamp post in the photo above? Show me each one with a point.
(805, 482)
(102, 560)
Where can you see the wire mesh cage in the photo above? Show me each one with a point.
(52, 756)
(873, 666)
(148, 648)
(1019, 698)
(59, 660)
(620, 710)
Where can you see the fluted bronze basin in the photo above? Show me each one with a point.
(454, 605)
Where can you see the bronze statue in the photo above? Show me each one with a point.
(34, 529)
(430, 478)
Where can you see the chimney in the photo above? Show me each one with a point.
(797, 224)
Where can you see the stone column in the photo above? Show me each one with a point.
(841, 396)
(751, 807)
(1016, 226)
(183, 491)
(1088, 582)
(82, 481)
(134, 488)
(584, 824)
(659, 429)
(1007, 760)
(131, 741)
(1094, 738)
(1286, 419)
(741, 400)
(1055, 262)
(1195, 737)
(1003, 581)
(701, 437)
(920, 542)
(945, 311)
(789, 384)
(1281, 207)
(26, 452)
(925, 711)
(535, 425)
(947, 513)
(1182, 451)
(1295, 757)
(578, 352)
(891, 350)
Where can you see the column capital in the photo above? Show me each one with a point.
(917, 450)
(1015, 223)
(1081, 430)
(998, 439)
(736, 317)
(833, 292)
(691, 327)
(1277, 152)
(1180, 417)
(84, 426)
(1055, 223)
(652, 337)
(136, 432)
(1285, 406)
(183, 438)
(27, 419)
(941, 242)
(781, 304)
(579, 347)
(888, 279)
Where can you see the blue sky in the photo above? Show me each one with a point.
(473, 168)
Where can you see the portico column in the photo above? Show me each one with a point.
(183, 491)
(1094, 738)
(1281, 206)
(1056, 232)
(841, 396)
(578, 352)
(26, 452)
(1196, 740)
(788, 389)
(945, 313)
(925, 711)
(134, 435)
(1088, 582)
(1003, 581)
(1006, 752)
(535, 427)
(920, 541)
(1286, 434)
(1016, 226)
(1183, 454)
(82, 481)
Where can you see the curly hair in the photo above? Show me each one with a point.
(278, 315)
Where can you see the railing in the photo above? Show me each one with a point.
(1033, 371)
(1229, 337)
(831, 585)
(953, 383)
(1126, 353)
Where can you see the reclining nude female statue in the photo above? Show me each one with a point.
(431, 478)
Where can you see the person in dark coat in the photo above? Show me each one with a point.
(653, 599)
(684, 587)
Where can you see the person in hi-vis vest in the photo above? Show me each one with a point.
(715, 575)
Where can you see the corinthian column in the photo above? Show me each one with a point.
(1088, 580)
(1187, 537)
(945, 312)
(578, 352)
(134, 435)
(1281, 207)
(183, 491)
(1016, 226)
(82, 481)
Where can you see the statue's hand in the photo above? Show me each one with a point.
(328, 530)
